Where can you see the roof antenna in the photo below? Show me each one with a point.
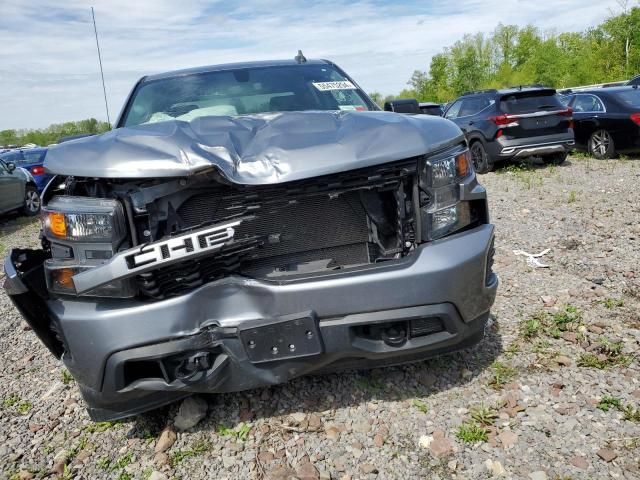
(300, 58)
(104, 90)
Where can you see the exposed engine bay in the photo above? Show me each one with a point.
(303, 227)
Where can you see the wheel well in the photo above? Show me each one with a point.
(473, 140)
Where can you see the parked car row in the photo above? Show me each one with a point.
(525, 121)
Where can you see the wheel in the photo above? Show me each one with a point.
(31, 201)
(555, 159)
(480, 158)
(601, 145)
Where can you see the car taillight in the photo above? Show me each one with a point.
(501, 120)
(37, 170)
(499, 133)
(566, 113)
(635, 118)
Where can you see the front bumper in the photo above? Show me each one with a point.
(125, 354)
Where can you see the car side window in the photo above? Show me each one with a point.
(32, 157)
(588, 103)
(454, 110)
(473, 105)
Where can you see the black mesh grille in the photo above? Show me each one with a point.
(426, 326)
(314, 223)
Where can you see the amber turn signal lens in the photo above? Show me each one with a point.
(63, 280)
(462, 164)
(57, 224)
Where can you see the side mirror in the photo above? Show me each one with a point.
(403, 105)
(10, 167)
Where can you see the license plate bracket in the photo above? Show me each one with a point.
(281, 340)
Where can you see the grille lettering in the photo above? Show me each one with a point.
(183, 246)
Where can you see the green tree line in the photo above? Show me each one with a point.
(513, 55)
(52, 133)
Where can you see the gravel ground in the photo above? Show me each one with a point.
(552, 392)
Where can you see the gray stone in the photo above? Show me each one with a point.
(192, 410)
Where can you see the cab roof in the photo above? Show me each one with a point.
(233, 66)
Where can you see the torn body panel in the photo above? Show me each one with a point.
(254, 149)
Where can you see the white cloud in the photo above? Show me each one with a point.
(49, 70)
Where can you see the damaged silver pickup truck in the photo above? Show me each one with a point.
(247, 224)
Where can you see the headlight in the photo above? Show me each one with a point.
(446, 171)
(83, 233)
(84, 219)
(441, 209)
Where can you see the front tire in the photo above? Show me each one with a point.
(480, 158)
(32, 201)
(601, 145)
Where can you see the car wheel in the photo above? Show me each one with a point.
(480, 158)
(601, 145)
(32, 201)
(555, 159)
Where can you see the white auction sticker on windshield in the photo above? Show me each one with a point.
(326, 86)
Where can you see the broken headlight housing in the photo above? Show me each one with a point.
(83, 232)
(440, 177)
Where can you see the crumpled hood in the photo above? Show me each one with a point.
(256, 149)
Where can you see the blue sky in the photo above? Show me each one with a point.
(49, 68)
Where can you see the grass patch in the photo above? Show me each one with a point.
(14, 402)
(484, 416)
(66, 377)
(501, 374)
(115, 465)
(532, 327)
(239, 433)
(73, 452)
(603, 361)
(198, 449)
(420, 405)
(573, 196)
(568, 319)
(607, 402)
(630, 413)
(100, 426)
(611, 303)
(471, 432)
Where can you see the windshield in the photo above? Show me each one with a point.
(629, 98)
(245, 91)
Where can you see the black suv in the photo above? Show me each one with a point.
(513, 123)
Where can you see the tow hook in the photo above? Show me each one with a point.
(190, 366)
(394, 336)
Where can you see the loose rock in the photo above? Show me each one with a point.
(192, 410)
(166, 439)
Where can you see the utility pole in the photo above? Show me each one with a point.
(104, 89)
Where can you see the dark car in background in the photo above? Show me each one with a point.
(607, 120)
(634, 81)
(429, 108)
(32, 160)
(513, 123)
